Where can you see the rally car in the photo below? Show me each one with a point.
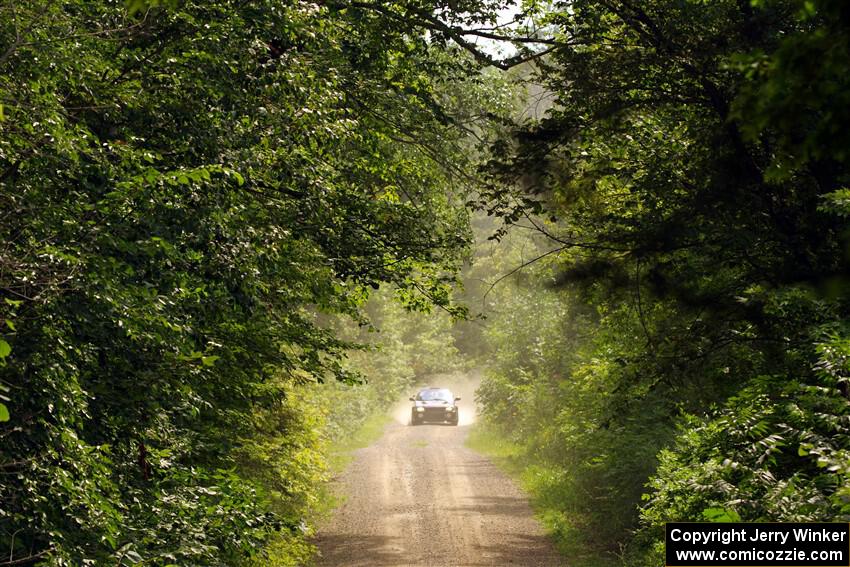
(435, 405)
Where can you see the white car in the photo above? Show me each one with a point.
(435, 405)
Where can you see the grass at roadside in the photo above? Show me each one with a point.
(340, 452)
(295, 549)
(546, 489)
(505, 454)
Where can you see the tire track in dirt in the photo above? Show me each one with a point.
(419, 498)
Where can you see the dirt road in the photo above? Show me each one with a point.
(419, 498)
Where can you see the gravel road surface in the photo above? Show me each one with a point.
(419, 498)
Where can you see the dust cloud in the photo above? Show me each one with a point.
(462, 384)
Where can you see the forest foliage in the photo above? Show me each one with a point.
(684, 351)
(192, 194)
(199, 199)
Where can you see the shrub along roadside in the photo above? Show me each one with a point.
(612, 441)
(323, 450)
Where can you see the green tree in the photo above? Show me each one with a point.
(184, 186)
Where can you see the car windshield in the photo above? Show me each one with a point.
(435, 395)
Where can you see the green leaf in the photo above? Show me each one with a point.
(5, 349)
(135, 7)
(209, 360)
(131, 558)
(721, 515)
(4, 413)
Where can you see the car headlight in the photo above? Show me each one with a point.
(450, 409)
(420, 408)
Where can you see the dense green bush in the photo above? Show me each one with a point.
(779, 450)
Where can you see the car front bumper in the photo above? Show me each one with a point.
(435, 414)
